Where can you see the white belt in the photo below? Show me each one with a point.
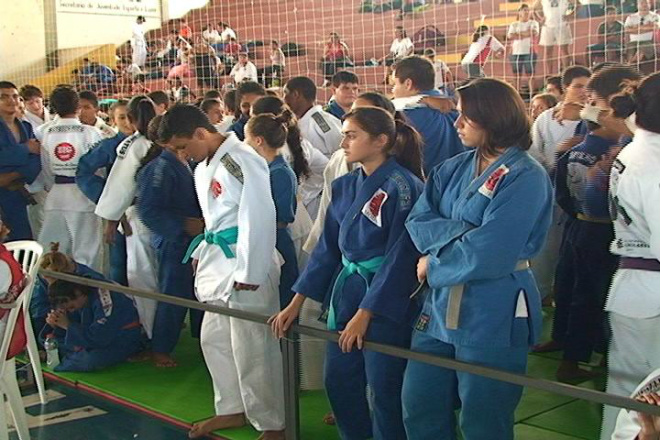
(456, 296)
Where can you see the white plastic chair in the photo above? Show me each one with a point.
(8, 381)
(28, 254)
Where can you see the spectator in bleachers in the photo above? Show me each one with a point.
(36, 113)
(553, 15)
(247, 92)
(213, 109)
(161, 101)
(483, 44)
(89, 113)
(444, 80)
(211, 35)
(184, 30)
(345, 88)
(641, 27)
(335, 56)
(554, 87)
(179, 91)
(591, 8)
(541, 103)
(140, 86)
(414, 79)
(522, 34)
(207, 65)
(230, 53)
(139, 42)
(244, 70)
(271, 76)
(402, 46)
(610, 38)
(226, 33)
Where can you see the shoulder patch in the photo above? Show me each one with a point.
(490, 185)
(321, 122)
(373, 208)
(106, 302)
(124, 146)
(231, 166)
(403, 188)
(619, 166)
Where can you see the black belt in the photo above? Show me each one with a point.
(649, 264)
(65, 179)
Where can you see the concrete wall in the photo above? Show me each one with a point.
(22, 39)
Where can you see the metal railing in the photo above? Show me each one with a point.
(289, 350)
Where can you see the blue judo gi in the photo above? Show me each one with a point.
(582, 193)
(283, 186)
(15, 157)
(335, 110)
(103, 155)
(105, 332)
(441, 139)
(238, 126)
(483, 305)
(165, 198)
(365, 259)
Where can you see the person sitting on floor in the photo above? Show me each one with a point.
(95, 328)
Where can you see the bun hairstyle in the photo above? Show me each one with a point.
(404, 142)
(275, 106)
(56, 260)
(141, 110)
(642, 99)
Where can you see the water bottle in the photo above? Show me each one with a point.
(52, 354)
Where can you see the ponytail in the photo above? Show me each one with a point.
(275, 106)
(56, 260)
(404, 142)
(141, 111)
(155, 149)
(642, 100)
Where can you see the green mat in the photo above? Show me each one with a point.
(185, 394)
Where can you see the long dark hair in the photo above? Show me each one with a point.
(499, 110)
(479, 32)
(61, 292)
(155, 149)
(141, 111)
(274, 105)
(641, 99)
(404, 142)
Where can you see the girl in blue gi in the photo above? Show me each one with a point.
(95, 328)
(267, 134)
(167, 205)
(363, 269)
(482, 216)
(91, 183)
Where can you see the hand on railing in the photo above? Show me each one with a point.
(281, 322)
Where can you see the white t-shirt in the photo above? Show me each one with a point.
(547, 134)
(240, 73)
(522, 46)
(227, 34)
(478, 46)
(212, 36)
(441, 69)
(402, 48)
(554, 11)
(635, 20)
(137, 39)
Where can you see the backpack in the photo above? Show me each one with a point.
(428, 37)
(293, 50)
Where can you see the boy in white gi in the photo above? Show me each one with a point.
(237, 267)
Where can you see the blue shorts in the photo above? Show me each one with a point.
(525, 63)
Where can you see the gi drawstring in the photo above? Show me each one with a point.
(223, 239)
(366, 269)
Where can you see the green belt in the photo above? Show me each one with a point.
(366, 269)
(223, 239)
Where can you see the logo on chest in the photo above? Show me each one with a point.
(491, 184)
(65, 151)
(373, 208)
(216, 189)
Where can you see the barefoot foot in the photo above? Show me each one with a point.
(218, 422)
(163, 360)
(329, 419)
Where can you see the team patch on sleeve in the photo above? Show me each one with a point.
(490, 185)
(373, 208)
(106, 302)
(216, 189)
(321, 122)
(231, 166)
(403, 188)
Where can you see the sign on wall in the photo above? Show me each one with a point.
(119, 8)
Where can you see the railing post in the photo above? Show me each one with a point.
(291, 385)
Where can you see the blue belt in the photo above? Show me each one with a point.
(65, 179)
(366, 269)
(223, 239)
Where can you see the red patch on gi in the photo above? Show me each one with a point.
(489, 186)
(65, 151)
(372, 209)
(216, 188)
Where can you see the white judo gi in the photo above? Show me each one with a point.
(69, 217)
(139, 45)
(117, 199)
(243, 357)
(634, 298)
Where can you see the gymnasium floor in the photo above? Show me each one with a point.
(138, 401)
